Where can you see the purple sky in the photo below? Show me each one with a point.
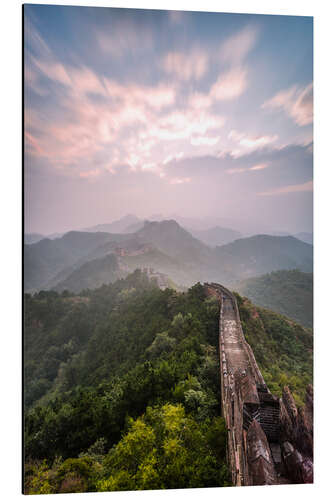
(196, 114)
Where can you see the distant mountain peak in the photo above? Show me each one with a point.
(170, 223)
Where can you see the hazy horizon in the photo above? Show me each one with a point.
(188, 223)
(203, 115)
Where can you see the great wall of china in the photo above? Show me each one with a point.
(270, 441)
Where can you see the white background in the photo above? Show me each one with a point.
(10, 245)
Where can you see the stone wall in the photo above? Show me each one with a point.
(270, 441)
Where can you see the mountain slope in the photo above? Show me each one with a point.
(30, 238)
(287, 292)
(262, 254)
(306, 237)
(50, 262)
(46, 258)
(133, 228)
(169, 237)
(92, 274)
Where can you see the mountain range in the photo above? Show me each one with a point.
(212, 231)
(163, 245)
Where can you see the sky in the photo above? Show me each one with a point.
(203, 115)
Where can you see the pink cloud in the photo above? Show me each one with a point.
(260, 166)
(199, 101)
(173, 157)
(180, 125)
(128, 123)
(186, 66)
(87, 127)
(84, 81)
(32, 145)
(180, 180)
(236, 47)
(240, 170)
(204, 141)
(297, 102)
(294, 188)
(230, 84)
(149, 166)
(53, 70)
(246, 143)
(156, 97)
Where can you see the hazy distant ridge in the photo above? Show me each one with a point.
(167, 247)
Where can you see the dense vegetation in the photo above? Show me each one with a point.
(287, 292)
(122, 385)
(122, 390)
(283, 349)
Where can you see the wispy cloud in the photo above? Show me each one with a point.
(53, 70)
(240, 170)
(186, 66)
(204, 140)
(235, 49)
(296, 102)
(246, 142)
(173, 157)
(33, 39)
(294, 188)
(199, 100)
(260, 166)
(230, 84)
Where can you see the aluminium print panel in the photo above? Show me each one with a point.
(168, 249)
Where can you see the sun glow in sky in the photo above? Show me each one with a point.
(141, 111)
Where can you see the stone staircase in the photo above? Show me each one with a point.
(270, 421)
(269, 414)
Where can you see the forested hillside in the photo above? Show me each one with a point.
(92, 274)
(283, 349)
(286, 292)
(123, 390)
(123, 385)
